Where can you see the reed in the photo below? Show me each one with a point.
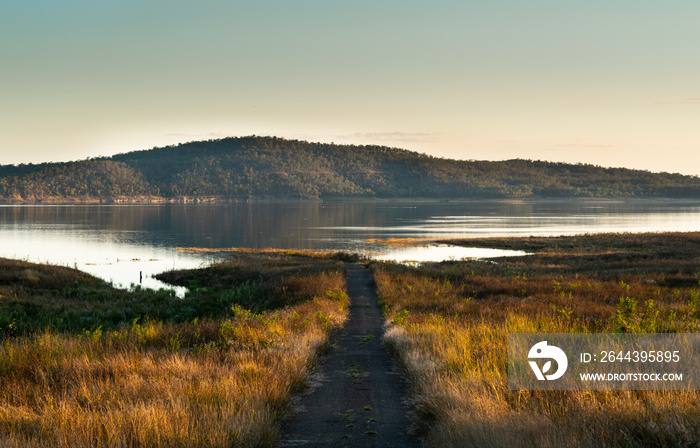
(449, 324)
(208, 381)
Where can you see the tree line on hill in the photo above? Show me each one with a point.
(278, 168)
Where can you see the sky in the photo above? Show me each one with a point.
(612, 83)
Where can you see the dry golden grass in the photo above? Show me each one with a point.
(449, 324)
(309, 253)
(202, 383)
(268, 250)
(400, 242)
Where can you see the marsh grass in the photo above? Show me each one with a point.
(240, 252)
(222, 378)
(449, 324)
(400, 242)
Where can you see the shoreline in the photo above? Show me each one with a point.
(206, 200)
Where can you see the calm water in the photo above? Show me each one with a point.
(118, 243)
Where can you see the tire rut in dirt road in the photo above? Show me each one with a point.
(361, 398)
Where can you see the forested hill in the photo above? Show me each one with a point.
(270, 167)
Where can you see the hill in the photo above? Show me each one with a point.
(234, 168)
(87, 180)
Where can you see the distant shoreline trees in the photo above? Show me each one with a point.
(279, 168)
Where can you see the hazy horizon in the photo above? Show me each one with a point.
(613, 85)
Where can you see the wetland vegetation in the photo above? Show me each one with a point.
(450, 320)
(85, 365)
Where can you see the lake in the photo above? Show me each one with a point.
(126, 244)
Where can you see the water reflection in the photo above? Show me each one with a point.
(442, 252)
(98, 253)
(117, 242)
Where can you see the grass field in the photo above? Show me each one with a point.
(86, 365)
(449, 323)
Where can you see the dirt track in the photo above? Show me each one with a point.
(360, 398)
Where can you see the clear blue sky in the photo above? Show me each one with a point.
(614, 83)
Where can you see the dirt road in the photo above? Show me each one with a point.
(360, 398)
